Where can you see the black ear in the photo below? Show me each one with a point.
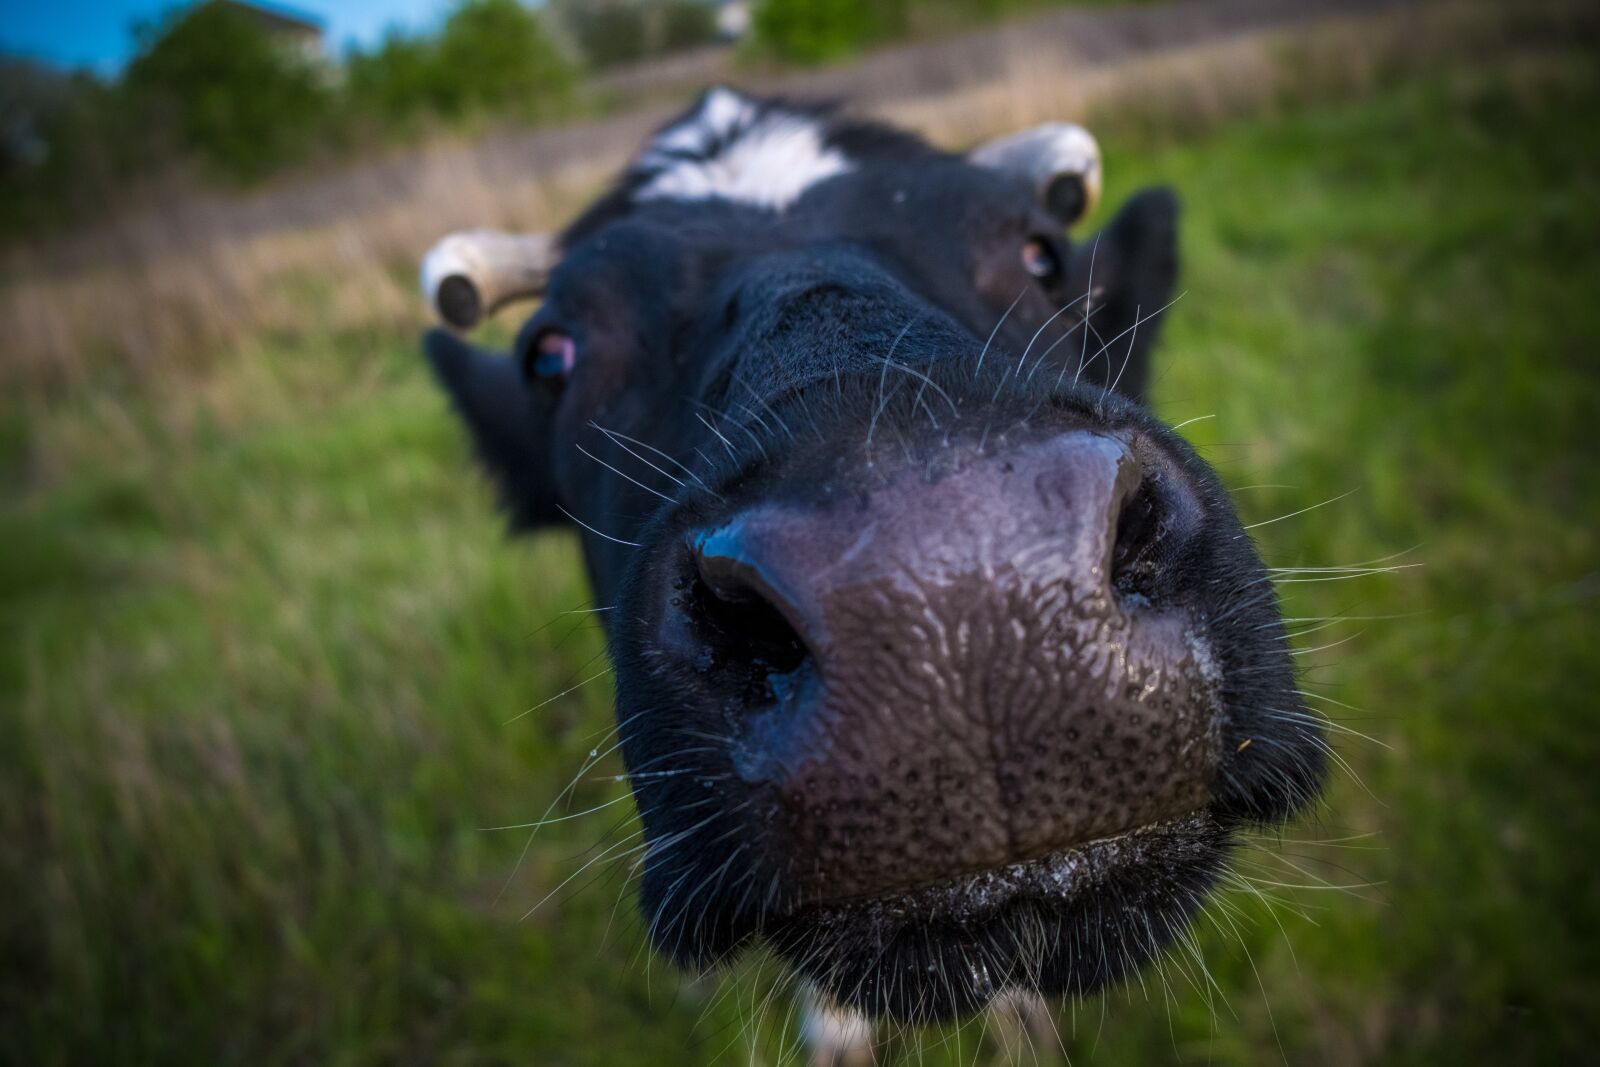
(510, 424)
(1134, 270)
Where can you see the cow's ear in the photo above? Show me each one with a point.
(1131, 267)
(511, 424)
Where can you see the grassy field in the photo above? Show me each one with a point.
(266, 656)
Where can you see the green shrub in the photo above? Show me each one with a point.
(685, 24)
(394, 83)
(70, 142)
(236, 98)
(609, 33)
(490, 56)
(495, 55)
(817, 31)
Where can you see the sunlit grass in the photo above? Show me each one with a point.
(265, 649)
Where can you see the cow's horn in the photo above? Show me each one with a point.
(1060, 162)
(467, 275)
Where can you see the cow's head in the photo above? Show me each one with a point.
(941, 664)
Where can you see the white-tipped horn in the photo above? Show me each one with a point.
(467, 275)
(1060, 162)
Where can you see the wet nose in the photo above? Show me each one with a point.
(955, 674)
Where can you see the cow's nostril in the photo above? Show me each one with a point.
(1134, 555)
(1154, 524)
(738, 612)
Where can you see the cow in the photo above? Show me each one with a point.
(943, 667)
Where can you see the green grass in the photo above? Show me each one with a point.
(264, 650)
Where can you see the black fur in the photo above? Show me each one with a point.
(508, 423)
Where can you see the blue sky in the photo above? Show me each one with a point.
(95, 33)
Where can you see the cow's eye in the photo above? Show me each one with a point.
(1039, 259)
(552, 355)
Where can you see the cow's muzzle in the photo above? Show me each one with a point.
(957, 673)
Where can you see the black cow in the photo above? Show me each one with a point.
(942, 665)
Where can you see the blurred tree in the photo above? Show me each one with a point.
(495, 55)
(236, 98)
(395, 83)
(31, 96)
(612, 33)
(64, 142)
(609, 33)
(816, 31)
(490, 56)
(685, 24)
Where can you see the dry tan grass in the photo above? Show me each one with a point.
(162, 296)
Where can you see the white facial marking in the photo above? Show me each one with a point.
(721, 113)
(733, 150)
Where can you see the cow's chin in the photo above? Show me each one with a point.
(1064, 924)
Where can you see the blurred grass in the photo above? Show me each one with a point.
(263, 649)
